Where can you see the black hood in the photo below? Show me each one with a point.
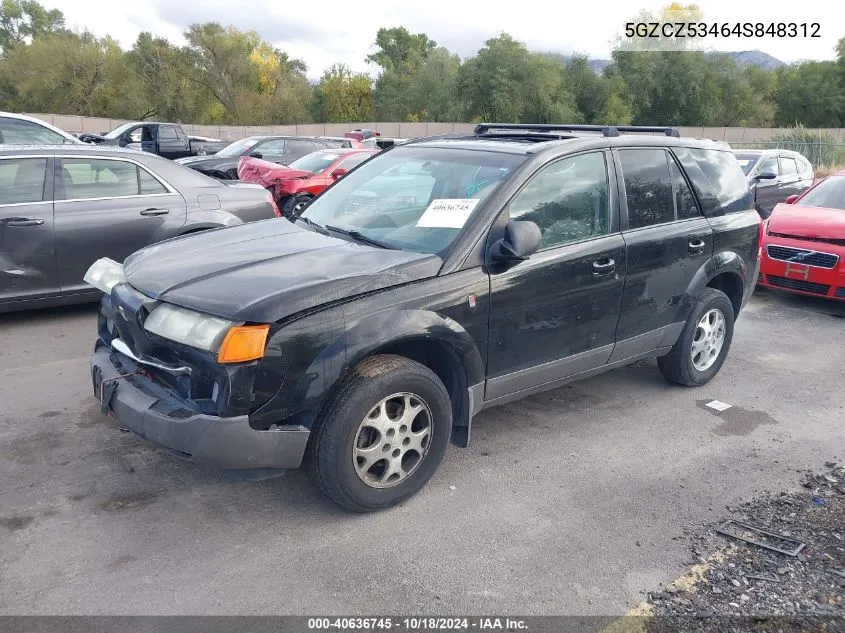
(210, 163)
(265, 271)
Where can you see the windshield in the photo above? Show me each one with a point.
(316, 161)
(747, 161)
(116, 132)
(238, 147)
(413, 198)
(829, 193)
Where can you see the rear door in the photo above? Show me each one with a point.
(667, 241)
(27, 256)
(108, 207)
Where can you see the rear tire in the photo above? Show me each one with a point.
(703, 345)
(382, 435)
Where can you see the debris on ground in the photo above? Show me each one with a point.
(742, 586)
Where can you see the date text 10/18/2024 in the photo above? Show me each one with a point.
(417, 624)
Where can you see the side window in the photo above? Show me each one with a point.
(22, 180)
(180, 134)
(148, 184)
(804, 168)
(685, 205)
(787, 167)
(298, 148)
(95, 178)
(275, 147)
(770, 164)
(136, 135)
(717, 179)
(567, 199)
(167, 133)
(18, 132)
(353, 161)
(648, 188)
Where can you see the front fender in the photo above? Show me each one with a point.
(305, 359)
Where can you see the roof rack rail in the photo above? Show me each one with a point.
(606, 130)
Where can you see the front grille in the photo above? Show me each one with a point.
(840, 292)
(823, 240)
(797, 284)
(802, 256)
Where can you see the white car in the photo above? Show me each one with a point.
(19, 129)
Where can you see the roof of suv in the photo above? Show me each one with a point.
(531, 139)
(82, 148)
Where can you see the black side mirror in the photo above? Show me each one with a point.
(256, 154)
(124, 141)
(521, 241)
(765, 175)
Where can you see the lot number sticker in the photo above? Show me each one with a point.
(447, 213)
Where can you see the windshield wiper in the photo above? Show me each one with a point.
(317, 227)
(361, 238)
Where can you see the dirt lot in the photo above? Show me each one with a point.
(583, 500)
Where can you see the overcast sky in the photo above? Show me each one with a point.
(329, 31)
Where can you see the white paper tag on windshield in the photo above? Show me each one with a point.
(447, 213)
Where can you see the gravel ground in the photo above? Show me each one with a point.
(741, 587)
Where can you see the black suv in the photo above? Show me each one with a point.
(438, 278)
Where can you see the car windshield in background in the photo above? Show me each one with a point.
(830, 193)
(238, 147)
(315, 162)
(747, 162)
(412, 198)
(116, 132)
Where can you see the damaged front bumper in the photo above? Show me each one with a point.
(155, 413)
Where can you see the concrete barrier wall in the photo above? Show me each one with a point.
(402, 130)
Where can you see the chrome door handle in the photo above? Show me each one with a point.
(25, 222)
(603, 267)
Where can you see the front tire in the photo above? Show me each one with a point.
(293, 205)
(703, 345)
(382, 435)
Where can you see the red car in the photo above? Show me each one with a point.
(804, 241)
(294, 185)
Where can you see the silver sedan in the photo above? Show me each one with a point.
(63, 207)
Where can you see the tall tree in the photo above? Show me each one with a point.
(396, 45)
(22, 19)
(343, 96)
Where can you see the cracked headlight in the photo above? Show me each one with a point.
(187, 326)
(104, 274)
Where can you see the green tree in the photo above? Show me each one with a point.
(22, 19)
(812, 94)
(343, 96)
(396, 45)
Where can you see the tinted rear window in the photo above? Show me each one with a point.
(717, 179)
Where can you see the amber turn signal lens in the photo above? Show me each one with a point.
(243, 343)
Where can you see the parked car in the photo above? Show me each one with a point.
(804, 242)
(62, 207)
(371, 335)
(295, 185)
(19, 129)
(382, 142)
(165, 139)
(277, 149)
(793, 174)
(342, 141)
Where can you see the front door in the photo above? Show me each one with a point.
(108, 207)
(667, 241)
(27, 256)
(555, 315)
